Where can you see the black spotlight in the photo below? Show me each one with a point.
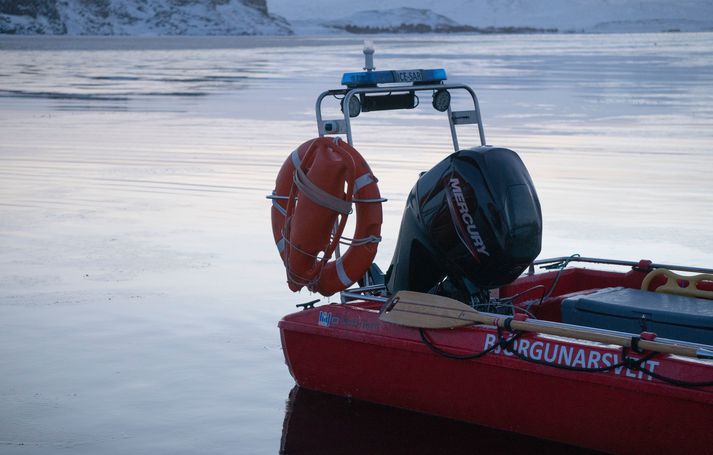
(354, 106)
(441, 100)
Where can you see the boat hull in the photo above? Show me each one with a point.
(346, 350)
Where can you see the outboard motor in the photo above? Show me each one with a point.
(471, 223)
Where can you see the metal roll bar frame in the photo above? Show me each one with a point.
(343, 126)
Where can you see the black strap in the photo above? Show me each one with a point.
(635, 344)
(507, 324)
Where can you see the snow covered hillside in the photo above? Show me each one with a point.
(140, 17)
(324, 16)
(398, 20)
(251, 17)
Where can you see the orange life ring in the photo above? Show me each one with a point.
(310, 207)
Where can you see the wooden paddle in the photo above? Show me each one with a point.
(428, 311)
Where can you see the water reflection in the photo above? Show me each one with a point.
(318, 423)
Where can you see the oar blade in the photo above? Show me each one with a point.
(427, 311)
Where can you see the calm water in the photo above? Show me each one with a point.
(139, 285)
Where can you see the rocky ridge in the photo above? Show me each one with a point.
(140, 17)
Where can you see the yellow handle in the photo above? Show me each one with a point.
(671, 286)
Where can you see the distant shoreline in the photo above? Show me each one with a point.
(9, 42)
(357, 31)
(424, 28)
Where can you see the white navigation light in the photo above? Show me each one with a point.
(441, 100)
(369, 56)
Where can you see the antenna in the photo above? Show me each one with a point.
(369, 55)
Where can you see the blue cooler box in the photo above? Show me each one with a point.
(669, 316)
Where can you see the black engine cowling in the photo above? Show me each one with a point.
(474, 219)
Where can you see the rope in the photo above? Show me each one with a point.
(361, 241)
(678, 382)
(561, 266)
(300, 250)
(451, 355)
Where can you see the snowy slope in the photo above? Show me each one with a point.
(241, 17)
(397, 20)
(563, 15)
(140, 17)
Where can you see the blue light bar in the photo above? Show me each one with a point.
(372, 78)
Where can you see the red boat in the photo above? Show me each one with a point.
(461, 326)
(651, 404)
